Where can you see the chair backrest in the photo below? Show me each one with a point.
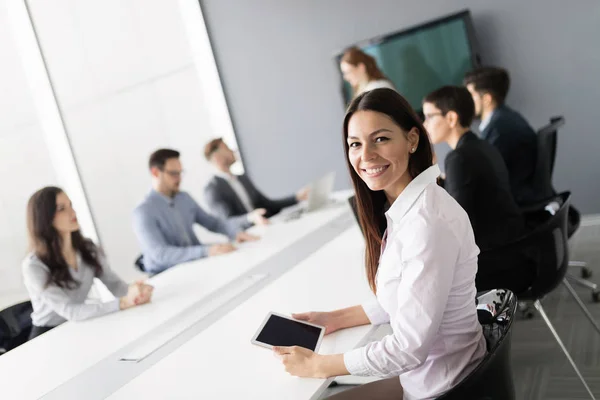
(15, 325)
(534, 264)
(492, 379)
(352, 203)
(354, 208)
(547, 142)
(574, 221)
(546, 156)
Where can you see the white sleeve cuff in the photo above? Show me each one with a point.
(355, 362)
(114, 305)
(376, 314)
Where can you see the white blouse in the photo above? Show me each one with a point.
(378, 84)
(426, 290)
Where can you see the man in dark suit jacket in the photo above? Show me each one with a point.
(230, 195)
(506, 129)
(475, 172)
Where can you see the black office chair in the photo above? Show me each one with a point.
(547, 139)
(492, 379)
(139, 263)
(572, 227)
(546, 156)
(15, 326)
(543, 256)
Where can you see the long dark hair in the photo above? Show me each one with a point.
(370, 204)
(45, 241)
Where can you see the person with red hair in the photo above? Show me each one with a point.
(360, 70)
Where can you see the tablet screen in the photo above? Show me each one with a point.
(280, 331)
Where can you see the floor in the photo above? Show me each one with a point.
(540, 369)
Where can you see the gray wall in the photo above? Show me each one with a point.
(275, 60)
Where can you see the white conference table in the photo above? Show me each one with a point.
(220, 362)
(40, 366)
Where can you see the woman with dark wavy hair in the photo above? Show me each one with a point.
(59, 272)
(421, 261)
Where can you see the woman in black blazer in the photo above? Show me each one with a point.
(476, 175)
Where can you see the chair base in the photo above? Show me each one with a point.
(581, 305)
(587, 284)
(525, 310)
(586, 273)
(540, 309)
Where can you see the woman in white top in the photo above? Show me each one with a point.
(360, 70)
(60, 270)
(421, 261)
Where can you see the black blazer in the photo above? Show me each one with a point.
(516, 141)
(477, 179)
(224, 202)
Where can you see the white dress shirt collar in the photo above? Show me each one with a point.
(238, 188)
(414, 189)
(224, 175)
(378, 84)
(484, 123)
(164, 197)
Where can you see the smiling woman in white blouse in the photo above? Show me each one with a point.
(421, 261)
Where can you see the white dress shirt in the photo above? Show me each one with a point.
(378, 84)
(484, 123)
(238, 188)
(426, 290)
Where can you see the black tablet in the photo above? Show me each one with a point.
(281, 330)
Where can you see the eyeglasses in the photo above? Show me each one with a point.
(174, 174)
(429, 116)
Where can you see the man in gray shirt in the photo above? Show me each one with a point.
(163, 222)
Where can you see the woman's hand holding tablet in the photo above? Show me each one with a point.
(281, 330)
(302, 362)
(296, 340)
(324, 319)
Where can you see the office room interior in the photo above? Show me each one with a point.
(299, 199)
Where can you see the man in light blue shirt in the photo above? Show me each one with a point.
(163, 222)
